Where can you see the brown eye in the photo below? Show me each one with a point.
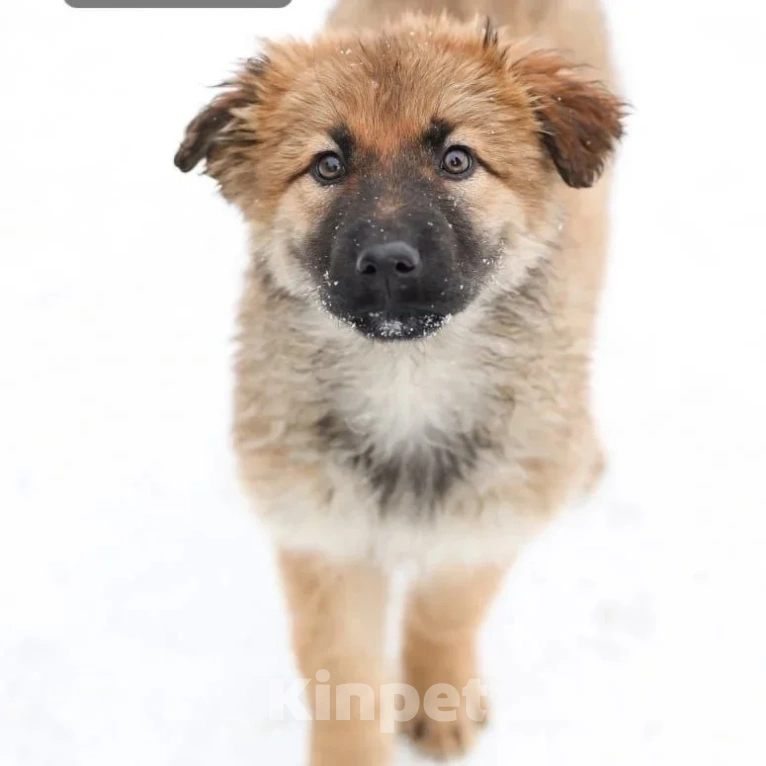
(457, 161)
(328, 168)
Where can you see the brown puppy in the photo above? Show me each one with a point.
(413, 368)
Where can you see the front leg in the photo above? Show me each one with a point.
(442, 620)
(338, 624)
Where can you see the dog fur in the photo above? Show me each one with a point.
(449, 450)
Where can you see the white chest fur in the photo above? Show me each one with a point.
(400, 399)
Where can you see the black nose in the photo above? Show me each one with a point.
(393, 260)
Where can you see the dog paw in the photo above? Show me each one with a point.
(443, 740)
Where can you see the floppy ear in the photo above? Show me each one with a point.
(219, 124)
(204, 130)
(580, 121)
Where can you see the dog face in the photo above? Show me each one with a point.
(395, 178)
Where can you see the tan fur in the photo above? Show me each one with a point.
(512, 369)
(443, 616)
(338, 626)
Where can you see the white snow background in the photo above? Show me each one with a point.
(140, 615)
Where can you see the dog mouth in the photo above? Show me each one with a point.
(397, 325)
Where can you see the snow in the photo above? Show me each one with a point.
(140, 616)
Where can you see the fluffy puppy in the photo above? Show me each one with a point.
(415, 328)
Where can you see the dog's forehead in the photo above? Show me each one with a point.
(388, 91)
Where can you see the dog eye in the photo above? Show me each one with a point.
(329, 167)
(457, 161)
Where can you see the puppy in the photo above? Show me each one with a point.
(412, 373)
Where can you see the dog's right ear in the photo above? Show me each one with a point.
(204, 130)
(220, 122)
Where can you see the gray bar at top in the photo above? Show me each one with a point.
(177, 3)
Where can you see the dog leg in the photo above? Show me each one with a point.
(338, 625)
(442, 619)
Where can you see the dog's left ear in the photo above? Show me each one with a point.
(580, 120)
